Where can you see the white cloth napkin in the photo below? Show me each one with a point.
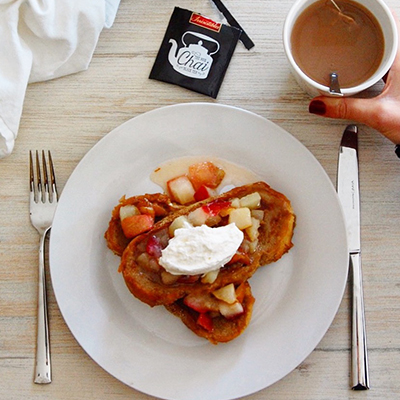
(42, 40)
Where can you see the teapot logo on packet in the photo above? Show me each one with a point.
(194, 60)
(195, 52)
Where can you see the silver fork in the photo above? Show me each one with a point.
(43, 203)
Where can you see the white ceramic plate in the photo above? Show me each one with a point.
(150, 349)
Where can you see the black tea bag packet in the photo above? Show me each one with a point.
(195, 52)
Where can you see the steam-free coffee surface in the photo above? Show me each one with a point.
(324, 42)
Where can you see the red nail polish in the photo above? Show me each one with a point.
(317, 107)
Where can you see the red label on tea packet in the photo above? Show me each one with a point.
(204, 22)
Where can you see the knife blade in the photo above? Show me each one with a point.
(349, 195)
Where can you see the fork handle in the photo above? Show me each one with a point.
(360, 376)
(43, 364)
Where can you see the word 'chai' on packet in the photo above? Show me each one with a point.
(195, 52)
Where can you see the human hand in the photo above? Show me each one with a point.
(381, 112)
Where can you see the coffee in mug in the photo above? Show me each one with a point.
(348, 42)
(358, 42)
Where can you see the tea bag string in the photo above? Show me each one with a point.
(341, 13)
(244, 38)
(336, 6)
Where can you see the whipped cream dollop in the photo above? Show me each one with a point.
(200, 249)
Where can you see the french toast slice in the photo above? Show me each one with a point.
(216, 328)
(157, 205)
(150, 283)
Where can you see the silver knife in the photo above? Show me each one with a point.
(349, 195)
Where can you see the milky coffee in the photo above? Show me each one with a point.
(324, 41)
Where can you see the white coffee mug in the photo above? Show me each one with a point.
(388, 24)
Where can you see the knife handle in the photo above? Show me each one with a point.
(359, 356)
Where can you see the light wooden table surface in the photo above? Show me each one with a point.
(69, 115)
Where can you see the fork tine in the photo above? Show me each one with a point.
(53, 179)
(45, 183)
(44, 166)
(39, 178)
(31, 175)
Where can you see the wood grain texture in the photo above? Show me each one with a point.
(70, 114)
